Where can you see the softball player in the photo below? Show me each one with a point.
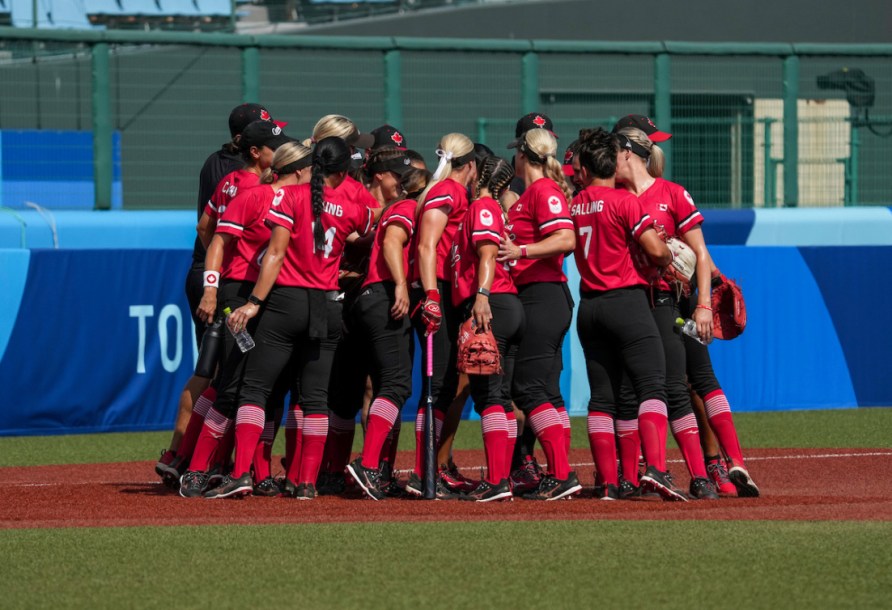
(382, 312)
(442, 208)
(484, 290)
(297, 287)
(232, 267)
(615, 324)
(674, 212)
(540, 233)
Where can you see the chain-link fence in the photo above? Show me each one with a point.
(122, 119)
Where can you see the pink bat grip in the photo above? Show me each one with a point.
(430, 355)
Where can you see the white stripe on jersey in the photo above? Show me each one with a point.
(693, 217)
(486, 233)
(557, 221)
(408, 221)
(281, 216)
(637, 226)
(230, 225)
(438, 201)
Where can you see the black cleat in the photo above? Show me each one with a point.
(267, 488)
(305, 491)
(608, 491)
(369, 479)
(552, 488)
(661, 483)
(193, 484)
(487, 492)
(746, 488)
(232, 488)
(702, 489)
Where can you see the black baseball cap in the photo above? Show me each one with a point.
(388, 135)
(569, 154)
(262, 133)
(639, 121)
(482, 151)
(533, 120)
(398, 165)
(244, 114)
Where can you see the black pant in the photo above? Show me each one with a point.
(508, 324)
(444, 382)
(194, 291)
(390, 342)
(548, 310)
(350, 368)
(701, 375)
(283, 333)
(617, 332)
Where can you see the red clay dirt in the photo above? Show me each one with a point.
(796, 484)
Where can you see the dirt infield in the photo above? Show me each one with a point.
(797, 484)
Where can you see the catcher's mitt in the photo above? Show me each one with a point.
(728, 308)
(478, 352)
(684, 262)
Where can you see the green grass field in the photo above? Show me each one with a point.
(562, 564)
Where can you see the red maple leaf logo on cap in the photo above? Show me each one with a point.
(396, 137)
(539, 121)
(264, 115)
(568, 157)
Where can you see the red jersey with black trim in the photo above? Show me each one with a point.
(540, 211)
(671, 207)
(483, 223)
(228, 189)
(244, 221)
(401, 213)
(608, 222)
(304, 265)
(356, 192)
(451, 198)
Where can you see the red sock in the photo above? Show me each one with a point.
(565, 422)
(546, 424)
(419, 442)
(199, 411)
(509, 446)
(294, 424)
(382, 415)
(687, 436)
(391, 445)
(224, 449)
(602, 440)
(314, 433)
(249, 423)
(263, 454)
(213, 430)
(495, 436)
(339, 443)
(718, 412)
(629, 448)
(652, 428)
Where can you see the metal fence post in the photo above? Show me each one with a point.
(529, 82)
(768, 194)
(791, 131)
(393, 88)
(250, 75)
(854, 195)
(102, 128)
(663, 104)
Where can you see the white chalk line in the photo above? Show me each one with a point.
(817, 456)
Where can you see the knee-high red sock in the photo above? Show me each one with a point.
(602, 441)
(392, 444)
(249, 423)
(687, 435)
(314, 433)
(263, 454)
(382, 415)
(339, 443)
(214, 428)
(718, 412)
(511, 421)
(546, 424)
(652, 428)
(294, 424)
(565, 422)
(495, 436)
(629, 448)
(223, 456)
(199, 411)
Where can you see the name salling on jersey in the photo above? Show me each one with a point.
(587, 207)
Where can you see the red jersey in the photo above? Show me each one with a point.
(227, 190)
(608, 222)
(353, 190)
(244, 220)
(452, 198)
(671, 206)
(540, 211)
(304, 265)
(483, 223)
(403, 214)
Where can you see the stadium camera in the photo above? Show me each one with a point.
(858, 86)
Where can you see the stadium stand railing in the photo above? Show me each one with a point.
(125, 119)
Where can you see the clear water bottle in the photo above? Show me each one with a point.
(242, 338)
(689, 327)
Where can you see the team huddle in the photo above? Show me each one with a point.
(334, 253)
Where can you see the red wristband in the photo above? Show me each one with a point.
(433, 295)
(523, 252)
(706, 307)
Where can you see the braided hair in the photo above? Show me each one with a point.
(495, 175)
(330, 156)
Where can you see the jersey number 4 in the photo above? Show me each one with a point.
(329, 239)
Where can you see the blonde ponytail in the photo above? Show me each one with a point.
(455, 151)
(540, 148)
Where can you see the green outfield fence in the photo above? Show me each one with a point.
(752, 127)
